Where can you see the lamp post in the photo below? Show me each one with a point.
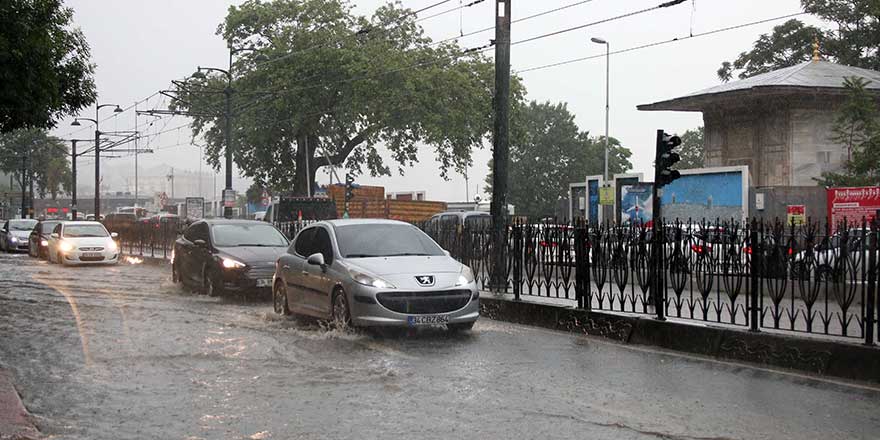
(607, 88)
(200, 74)
(98, 153)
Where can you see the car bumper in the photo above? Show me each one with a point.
(368, 311)
(254, 280)
(77, 257)
(18, 246)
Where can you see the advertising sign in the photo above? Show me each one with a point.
(853, 204)
(606, 195)
(707, 193)
(229, 198)
(593, 185)
(635, 203)
(195, 208)
(796, 214)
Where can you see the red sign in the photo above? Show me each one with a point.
(51, 210)
(853, 204)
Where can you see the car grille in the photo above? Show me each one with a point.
(260, 272)
(91, 249)
(100, 258)
(424, 302)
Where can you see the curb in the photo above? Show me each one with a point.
(837, 359)
(15, 421)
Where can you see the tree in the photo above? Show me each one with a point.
(854, 41)
(857, 129)
(337, 87)
(548, 152)
(692, 151)
(45, 67)
(45, 157)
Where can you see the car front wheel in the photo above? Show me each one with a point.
(341, 318)
(279, 299)
(210, 283)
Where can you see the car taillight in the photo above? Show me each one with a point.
(790, 251)
(748, 250)
(701, 249)
(548, 244)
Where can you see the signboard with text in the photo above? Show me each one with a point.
(796, 214)
(852, 204)
(195, 208)
(229, 198)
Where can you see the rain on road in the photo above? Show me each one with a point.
(121, 352)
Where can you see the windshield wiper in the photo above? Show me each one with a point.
(409, 254)
(360, 256)
(259, 245)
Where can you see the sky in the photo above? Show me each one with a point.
(139, 47)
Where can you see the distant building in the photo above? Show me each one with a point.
(779, 124)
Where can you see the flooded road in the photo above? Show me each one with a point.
(121, 352)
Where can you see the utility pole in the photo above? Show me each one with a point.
(501, 147)
(24, 177)
(136, 136)
(171, 178)
(73, 177)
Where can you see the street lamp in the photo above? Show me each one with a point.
(607, 88)
(200, 74)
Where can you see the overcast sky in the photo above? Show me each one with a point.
(139, 47)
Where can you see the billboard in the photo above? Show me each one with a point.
(195, 208)
(707, 193)
(635, 203)
(593, 209)
(853, 204)
(621, 180)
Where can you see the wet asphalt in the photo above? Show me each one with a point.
(121, 352)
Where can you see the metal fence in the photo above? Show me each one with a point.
(148, 238)
(813, 278)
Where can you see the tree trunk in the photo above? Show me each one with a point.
(304, 154)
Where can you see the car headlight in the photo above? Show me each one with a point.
(65, 246)
(13, 239)
(112, 246)
(465, 277)
(229, 263)
(44, 243)
(369, 280)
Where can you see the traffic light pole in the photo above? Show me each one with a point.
(657, 218)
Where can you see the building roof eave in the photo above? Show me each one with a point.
(735, 98)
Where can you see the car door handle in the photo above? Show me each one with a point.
(286, 266)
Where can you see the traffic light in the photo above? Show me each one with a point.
(349, 187)
(665, 158)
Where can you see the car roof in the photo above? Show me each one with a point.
(81, 222)
(363, 221)
(230, 221)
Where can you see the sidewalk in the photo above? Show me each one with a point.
(15, 422)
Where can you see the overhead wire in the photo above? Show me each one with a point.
(658, 43)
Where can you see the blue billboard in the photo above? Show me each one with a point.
(635, 203)
(707, 193)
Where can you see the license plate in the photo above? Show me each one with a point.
(264, 282)
(92, 255)
(427, 319)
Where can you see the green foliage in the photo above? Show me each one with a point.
(692, 151)
(46, 158)
(45, 70)
(854, 40)
(857, 129)
(548, 152)
(336, 88)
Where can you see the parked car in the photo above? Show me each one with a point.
(353, 273)
(38, 240)
(82, 243)
(14, 234)
(220, 255)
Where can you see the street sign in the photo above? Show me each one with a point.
(606, 195)
(796, 214)
(195, 208)
(229, 198)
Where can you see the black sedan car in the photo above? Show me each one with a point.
(220, 255)
(38, 241)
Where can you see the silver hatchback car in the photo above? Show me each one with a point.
(374, 273)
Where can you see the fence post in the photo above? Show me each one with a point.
(753, 277)
(872, 284)
(656, 270)
(517, 260)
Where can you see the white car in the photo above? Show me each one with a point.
(82, 242)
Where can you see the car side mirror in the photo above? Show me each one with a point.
(316, 259)
(200, 243)
(114, 235)
(56, 235)
(447, 253)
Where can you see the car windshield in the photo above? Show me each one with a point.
(22, 225)
(232, 235)
(384, 240)
(47, 227)
(81, 231)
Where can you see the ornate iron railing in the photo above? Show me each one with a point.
(812, 278)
